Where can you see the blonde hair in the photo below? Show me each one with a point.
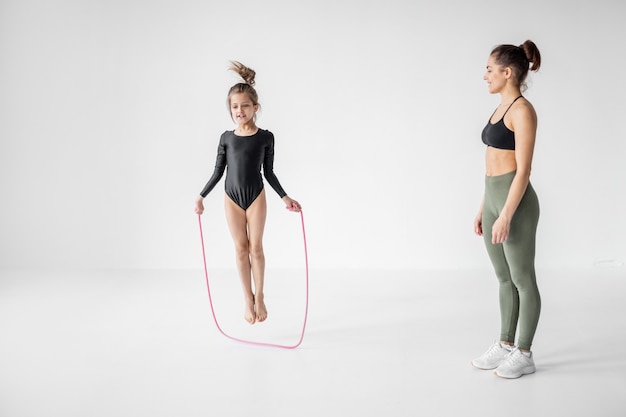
(246, 87)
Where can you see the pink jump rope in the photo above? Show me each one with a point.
(306, 308)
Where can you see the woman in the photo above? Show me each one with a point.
(509, 212)
(244, 150)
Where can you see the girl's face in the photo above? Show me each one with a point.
(496, 76)
(242, 110)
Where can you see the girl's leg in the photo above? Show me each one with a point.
(256, 215)
(236, 218)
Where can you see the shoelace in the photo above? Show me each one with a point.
(494, 350)
(513, 357)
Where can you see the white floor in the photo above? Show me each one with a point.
(143, 343)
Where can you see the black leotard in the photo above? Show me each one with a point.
(498, 135)
(244, 156)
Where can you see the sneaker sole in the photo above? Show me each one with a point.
(525, 371)
(482, 368)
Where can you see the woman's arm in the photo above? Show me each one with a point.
(478, 220)
(524, 123)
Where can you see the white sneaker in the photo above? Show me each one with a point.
(516, 364)
(493, 357)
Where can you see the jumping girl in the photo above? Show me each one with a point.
(244, 150)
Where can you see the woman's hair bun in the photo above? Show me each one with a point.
(532, 54)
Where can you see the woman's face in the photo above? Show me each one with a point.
(242, 110)
(496, 76)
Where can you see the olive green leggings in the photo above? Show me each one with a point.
(514, 260)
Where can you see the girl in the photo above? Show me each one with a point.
(244, 150)
(509, 213)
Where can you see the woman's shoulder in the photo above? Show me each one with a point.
(522, 115)
(524, 105)
(523, 109)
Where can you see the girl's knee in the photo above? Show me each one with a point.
(256, 250)
(242, 248)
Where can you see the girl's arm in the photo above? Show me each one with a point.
(220, 166)
(268, 167)
(291, 204)
(268, 172)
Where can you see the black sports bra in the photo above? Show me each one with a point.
(497, 135)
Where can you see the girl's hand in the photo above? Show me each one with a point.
(500, 230)
(292, 205)
(478, 224)
(199, 207)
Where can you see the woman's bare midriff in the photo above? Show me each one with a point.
(499, 161)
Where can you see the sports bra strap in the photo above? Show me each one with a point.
(507, 109)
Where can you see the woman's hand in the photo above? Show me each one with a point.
(292, 205)
(500, 230)
(199, 207)
(478, 224)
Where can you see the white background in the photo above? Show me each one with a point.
(110, 114)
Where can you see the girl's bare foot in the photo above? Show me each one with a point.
(249, 314)
(261, 310)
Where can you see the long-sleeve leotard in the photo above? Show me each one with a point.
(242, 157)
